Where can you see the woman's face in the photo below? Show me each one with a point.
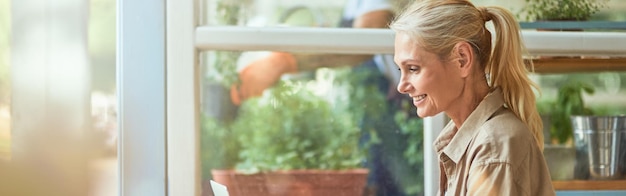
(433, 84)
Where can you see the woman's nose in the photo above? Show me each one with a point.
(403, 87)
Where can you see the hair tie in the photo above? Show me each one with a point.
(484, 14)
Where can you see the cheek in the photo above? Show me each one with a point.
(446, 90)
(422, 83)
(438, 87)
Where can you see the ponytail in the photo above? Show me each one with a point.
(507, 70)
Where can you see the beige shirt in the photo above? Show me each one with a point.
(493, 153)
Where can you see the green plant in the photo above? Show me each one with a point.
(290, 127)
(412, 127)
(218, 146)
(221, 66)
(294, 126)
(569, 102)
(561, 9)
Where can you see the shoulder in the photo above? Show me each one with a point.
(503, 138)
(503, 125)
(505, 144)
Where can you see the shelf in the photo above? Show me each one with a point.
(566, 25)
(589, 185)
(571, 65)
(380, 41)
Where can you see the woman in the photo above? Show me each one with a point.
(493, 144)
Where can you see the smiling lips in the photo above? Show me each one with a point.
(418, 99)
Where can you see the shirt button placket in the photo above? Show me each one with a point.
(451, 180)
(449, 169)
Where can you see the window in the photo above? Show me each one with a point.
(212, 37)
(352, 99)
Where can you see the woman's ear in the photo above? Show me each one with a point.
(465, 58)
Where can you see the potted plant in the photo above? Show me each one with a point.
(559, 10)
(560, 152)
(569, 102)
(294, 141)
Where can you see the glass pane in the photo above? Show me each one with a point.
(76, 122)
(342, 116)
(323, 13)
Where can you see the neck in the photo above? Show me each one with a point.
(473, 93)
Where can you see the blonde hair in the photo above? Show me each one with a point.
(438, 25)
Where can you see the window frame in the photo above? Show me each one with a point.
(141, 90)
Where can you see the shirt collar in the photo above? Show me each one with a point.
(454, 143)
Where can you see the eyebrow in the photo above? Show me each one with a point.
(413, 61)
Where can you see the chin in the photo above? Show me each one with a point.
(423, 114)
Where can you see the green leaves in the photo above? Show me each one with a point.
(298, 125)
(218, 146)
(413, 128)
(569, 102)
(562, 9)
(222, 68)
(290, 127)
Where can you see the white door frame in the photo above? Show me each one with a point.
(141, 96)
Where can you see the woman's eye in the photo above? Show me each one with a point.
(413, 69)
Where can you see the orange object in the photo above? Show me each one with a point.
(262, 74)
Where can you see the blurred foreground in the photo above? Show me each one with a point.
(58, 162)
